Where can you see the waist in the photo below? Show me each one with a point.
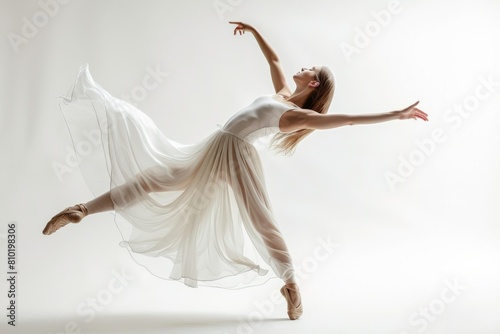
(225, 131)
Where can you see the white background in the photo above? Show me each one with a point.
(397, 246)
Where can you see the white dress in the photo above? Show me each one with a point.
(209, 221)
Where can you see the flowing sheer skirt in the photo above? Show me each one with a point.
(197, 213)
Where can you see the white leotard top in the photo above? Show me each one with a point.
(259, 119)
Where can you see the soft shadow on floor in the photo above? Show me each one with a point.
(154, 323)
(201, 320)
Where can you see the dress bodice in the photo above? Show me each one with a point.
(259, 119)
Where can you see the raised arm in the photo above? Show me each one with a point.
(277, 74)
(309, 119)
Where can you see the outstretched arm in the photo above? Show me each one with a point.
(314, 120)
(277, 74)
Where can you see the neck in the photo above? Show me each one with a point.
(300, 96)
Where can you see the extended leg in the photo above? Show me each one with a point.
(122, 195)
(256, 207)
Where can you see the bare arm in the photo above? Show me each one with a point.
(309, 119)
(330, 121)
(277, 73)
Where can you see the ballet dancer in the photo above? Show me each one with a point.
(193, 204)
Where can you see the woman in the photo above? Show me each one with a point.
(188, 204)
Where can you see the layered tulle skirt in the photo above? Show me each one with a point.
(196, 213)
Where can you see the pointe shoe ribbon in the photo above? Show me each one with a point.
(63, 218)
(294, 311)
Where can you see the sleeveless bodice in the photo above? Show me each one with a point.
(259, 119)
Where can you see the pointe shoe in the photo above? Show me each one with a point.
(63, 218)
(294, 311)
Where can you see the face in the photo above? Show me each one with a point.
(307, 77)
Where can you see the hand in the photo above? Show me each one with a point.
(412, 112)
(242, 27)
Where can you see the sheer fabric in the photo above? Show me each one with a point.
(196, 213)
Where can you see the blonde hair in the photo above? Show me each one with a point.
(319, 101)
